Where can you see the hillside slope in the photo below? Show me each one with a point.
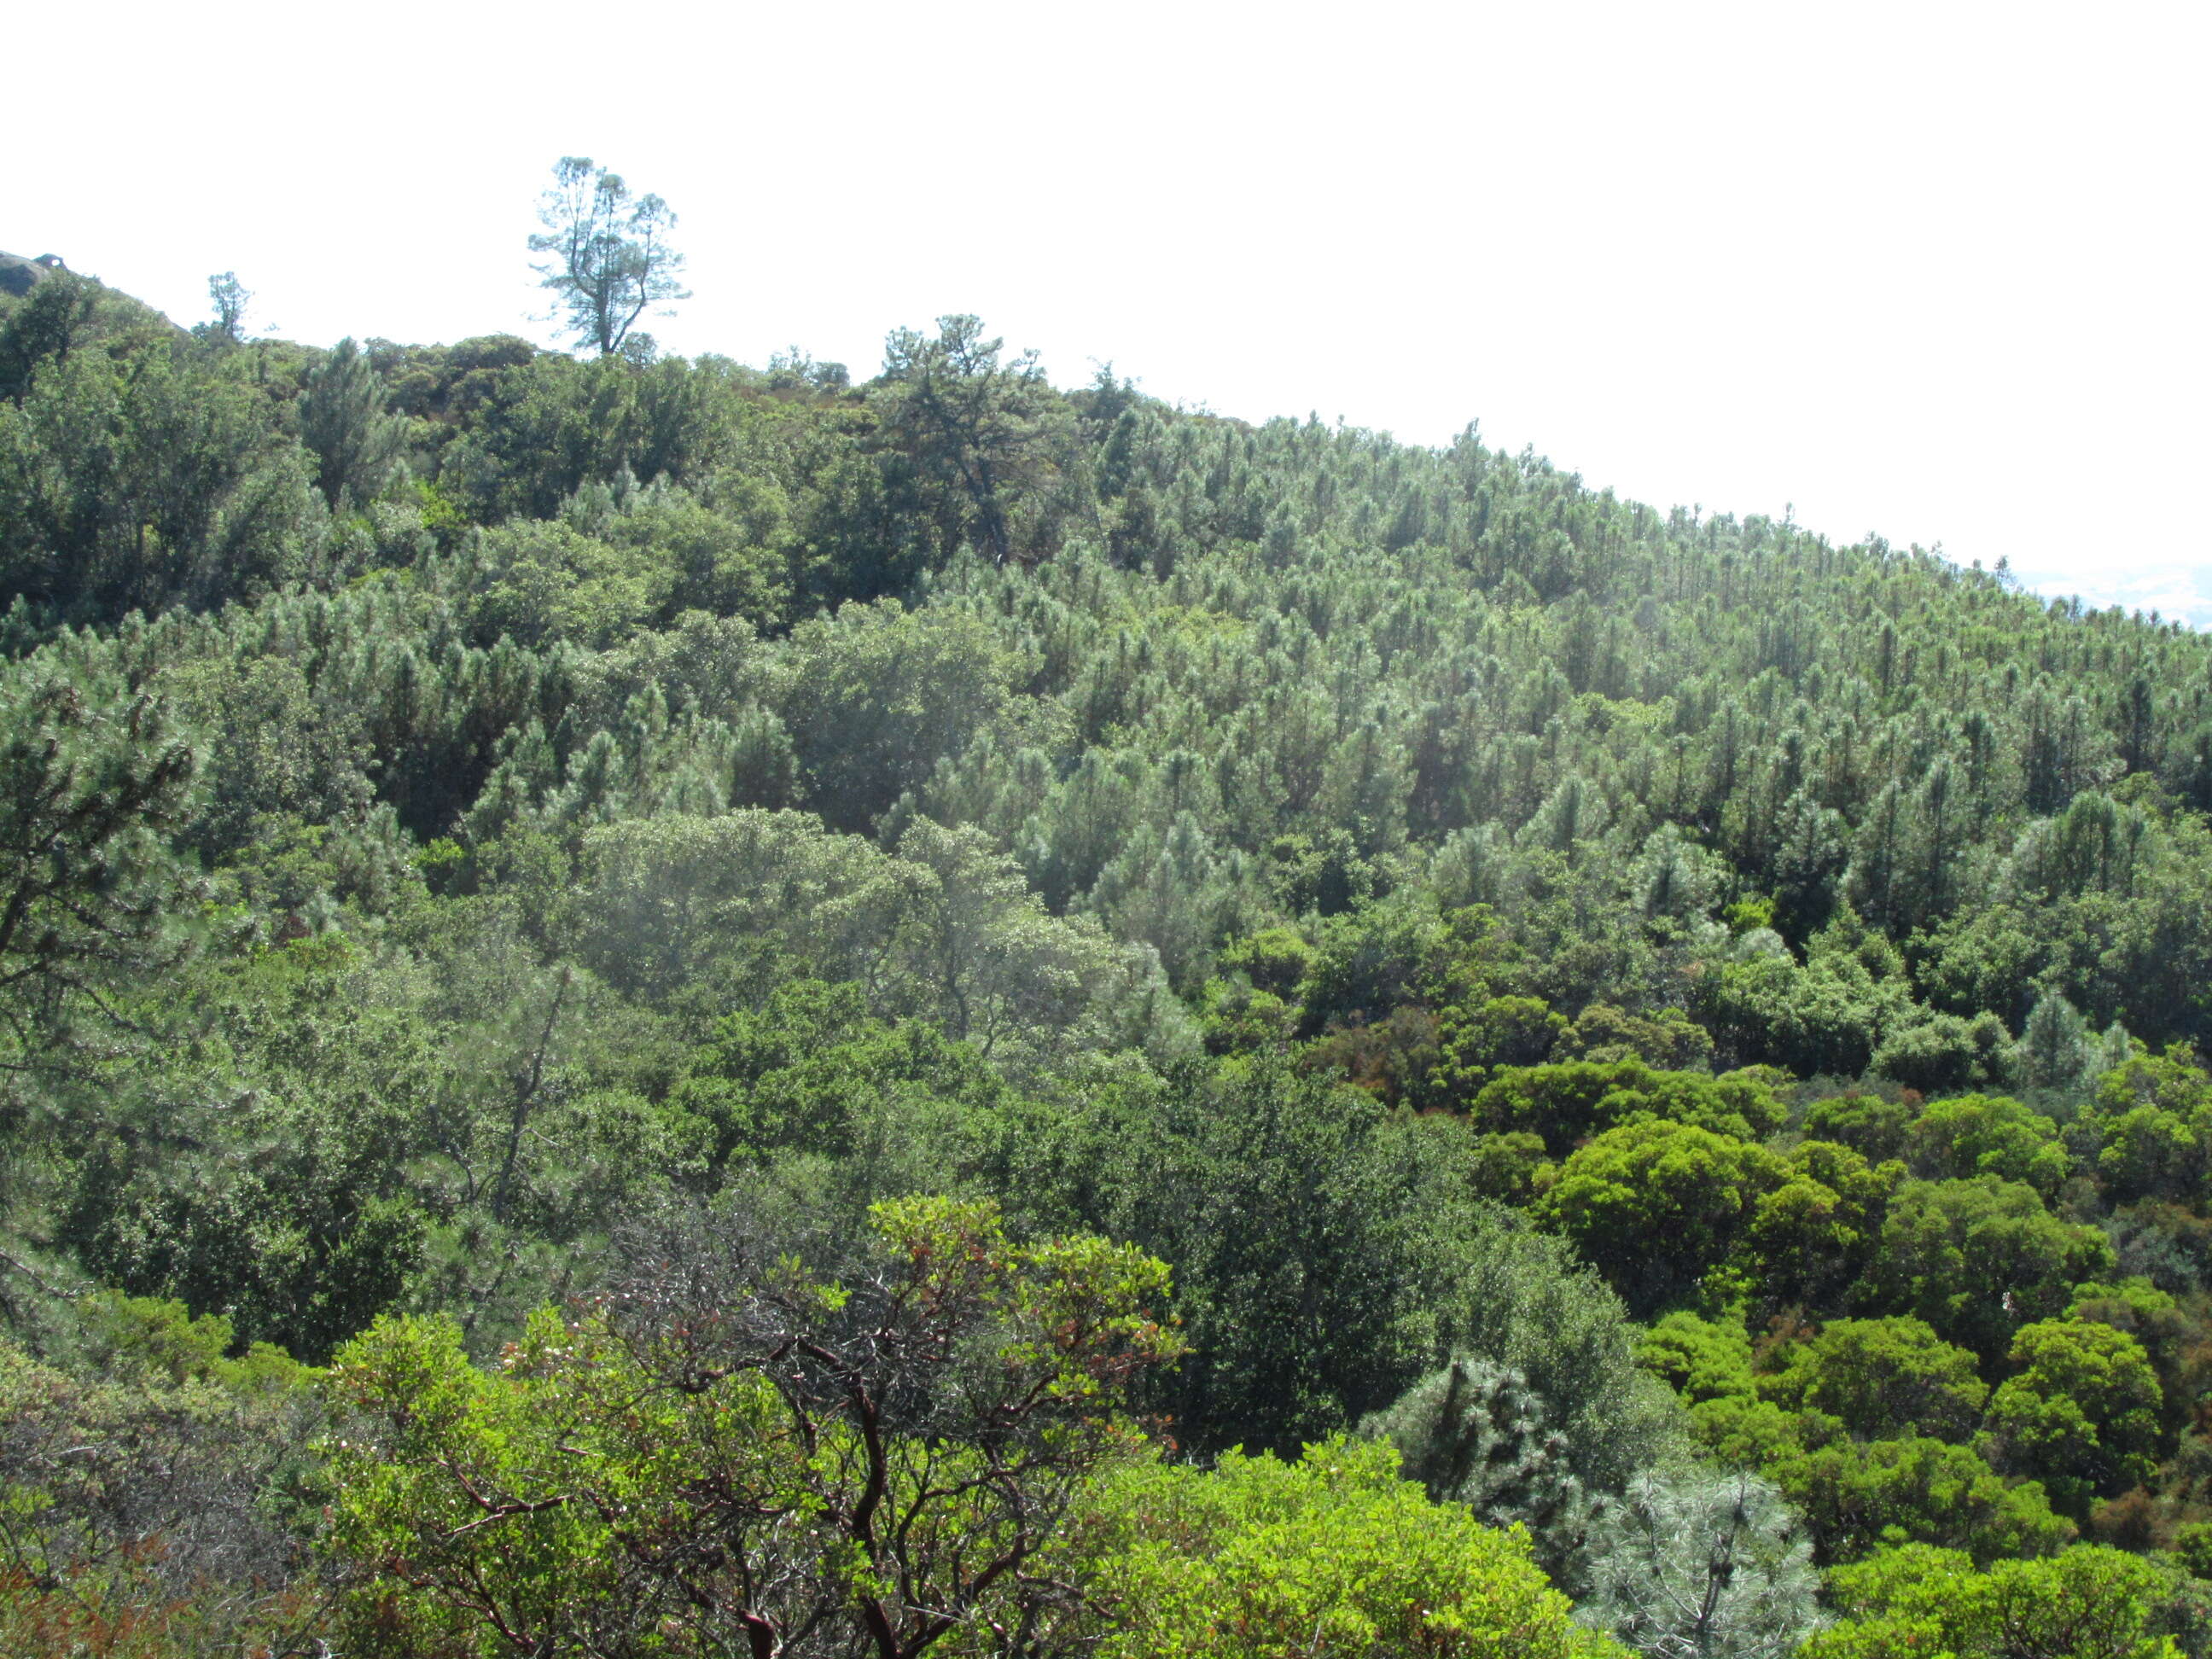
(467, 799)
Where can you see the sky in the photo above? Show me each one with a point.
(1934, 271)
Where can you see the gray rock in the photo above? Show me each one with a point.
(19, 276)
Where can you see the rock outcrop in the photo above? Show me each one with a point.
(19, 276)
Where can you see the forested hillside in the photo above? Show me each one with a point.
(657, 1006)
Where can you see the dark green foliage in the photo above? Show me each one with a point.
(1328, 1286)
(879, 696)
(89, 892)
(813, 1072)
(39, 334)
(163, 481)
(1874, 1127)
(343, 424)
(1668, 1040)
(978, 437)
(1528, 1304)
(1945, 1054)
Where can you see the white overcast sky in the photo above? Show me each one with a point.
(1936, 271)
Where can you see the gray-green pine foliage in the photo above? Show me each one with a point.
(343, 424)
(2054, 1051)
(1476, 1434)
(1702, 1565)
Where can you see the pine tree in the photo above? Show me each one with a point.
(1809, 852)
(1935, 840)
(1476, 1434)
(343, 424)
(2053, 1054)
(1702, 1565)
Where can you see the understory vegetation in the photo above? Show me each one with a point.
(650, 1006)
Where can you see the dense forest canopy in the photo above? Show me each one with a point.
(652, 1006)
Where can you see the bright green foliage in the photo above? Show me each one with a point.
(1978, 1260)
(2192, 1547)
(1569, 1104)
(462, 1497)
(2168, 1333)
(1333, 1553)
(141, 1339)
(2172, 1082)
(1883, 1379)
(1276, 960)
(1234, 1018)
(616, 562)
(1810, 1237)
(1858, 1495)
(544, 582)
(1472, 1038)
(1657, 1205)
(2080, 1412)
(1742, 1431)
(747, 1450)
(1987, 1135)
(2153, 1117)
(1846, 1428)
(1875, 1127)
(1699, 1359)
(2086, 1602)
